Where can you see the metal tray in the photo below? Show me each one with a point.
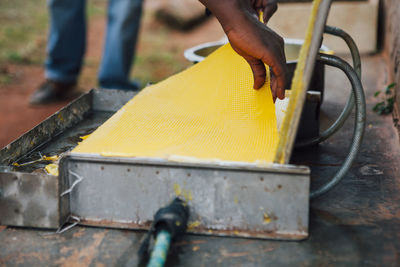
(225, 198)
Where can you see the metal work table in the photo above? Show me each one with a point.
(356, 224)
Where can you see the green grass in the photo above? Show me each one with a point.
(22, 26)
(158, 58)
(23, 35)
(23, 29)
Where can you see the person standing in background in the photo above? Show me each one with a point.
(249, 37)
(67, 42)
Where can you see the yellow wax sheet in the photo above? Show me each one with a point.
(208, 112)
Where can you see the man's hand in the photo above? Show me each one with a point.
(268, 7)
(253, 40)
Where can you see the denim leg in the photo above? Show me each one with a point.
(67, 39)
(120, 43)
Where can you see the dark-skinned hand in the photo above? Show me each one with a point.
(268, 7)
(253, 40)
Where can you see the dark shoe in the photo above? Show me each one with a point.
(51, 91)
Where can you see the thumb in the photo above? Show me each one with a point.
(259, 73)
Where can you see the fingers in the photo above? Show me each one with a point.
(259, 72)
(274, 85)
(277, 63)
(279, 80)
(278, 77)
(270, 7)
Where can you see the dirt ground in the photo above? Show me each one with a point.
(17, 116)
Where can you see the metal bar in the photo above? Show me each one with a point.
(308, 55)
(171, 162)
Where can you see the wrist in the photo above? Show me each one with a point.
(228, 11)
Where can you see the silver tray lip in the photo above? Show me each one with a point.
(226, 165)
(191, 55)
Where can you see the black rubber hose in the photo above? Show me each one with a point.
(359, 125)
(350, 102)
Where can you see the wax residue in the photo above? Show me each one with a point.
(52, 169)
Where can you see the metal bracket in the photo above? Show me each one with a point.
(75, 222)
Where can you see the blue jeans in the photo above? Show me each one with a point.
(67, 40)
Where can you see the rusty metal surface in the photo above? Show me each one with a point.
(18, 205)
(225, 199)
(46, 130)
(106, 100)
(356, 224)
(28, 196)
(61, 132)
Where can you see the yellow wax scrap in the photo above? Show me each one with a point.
(84, 137)
(187, 195)
(52, 169)
(267, 219)
(53, 158)
(177, 190)
(193, 225)
(209, 111)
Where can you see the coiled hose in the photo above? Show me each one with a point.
(350, 102)
(359, 126)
